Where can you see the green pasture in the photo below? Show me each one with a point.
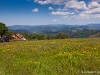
(51, 57)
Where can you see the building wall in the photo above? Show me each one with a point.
(15, 38)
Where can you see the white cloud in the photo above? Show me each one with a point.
(68, 17)
(74, 8)
(76, 5)
(89, 16)
(35, 10)
(81, 15)
(92, 12)
(60, 2)
(73, 5)
(50, 8)
(93, 4)
(59, 9)
(42, 2)
(60, 13)
(72, 13)
(96, 16)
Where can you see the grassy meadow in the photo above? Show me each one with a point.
(51, 57)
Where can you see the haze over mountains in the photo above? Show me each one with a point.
(52, 28)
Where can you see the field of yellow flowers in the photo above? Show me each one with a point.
(51, 57)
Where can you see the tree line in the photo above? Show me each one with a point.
(4, 31)
(37, 36)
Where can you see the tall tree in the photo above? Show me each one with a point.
(3, 29)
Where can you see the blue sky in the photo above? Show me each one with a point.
(43, 12)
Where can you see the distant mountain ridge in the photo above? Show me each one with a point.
(52, 28)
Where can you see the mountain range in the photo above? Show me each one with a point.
(51, 28)
(72, 31)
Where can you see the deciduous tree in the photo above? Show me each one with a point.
(3, 29)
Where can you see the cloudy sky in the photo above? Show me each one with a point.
(42, 12)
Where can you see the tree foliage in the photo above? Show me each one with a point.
(61, 36)
(37, 36)
(3, 29)
(34, 36)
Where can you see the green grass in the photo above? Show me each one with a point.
(50, 57)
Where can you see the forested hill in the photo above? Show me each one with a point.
(70, 30)
(52, 28)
